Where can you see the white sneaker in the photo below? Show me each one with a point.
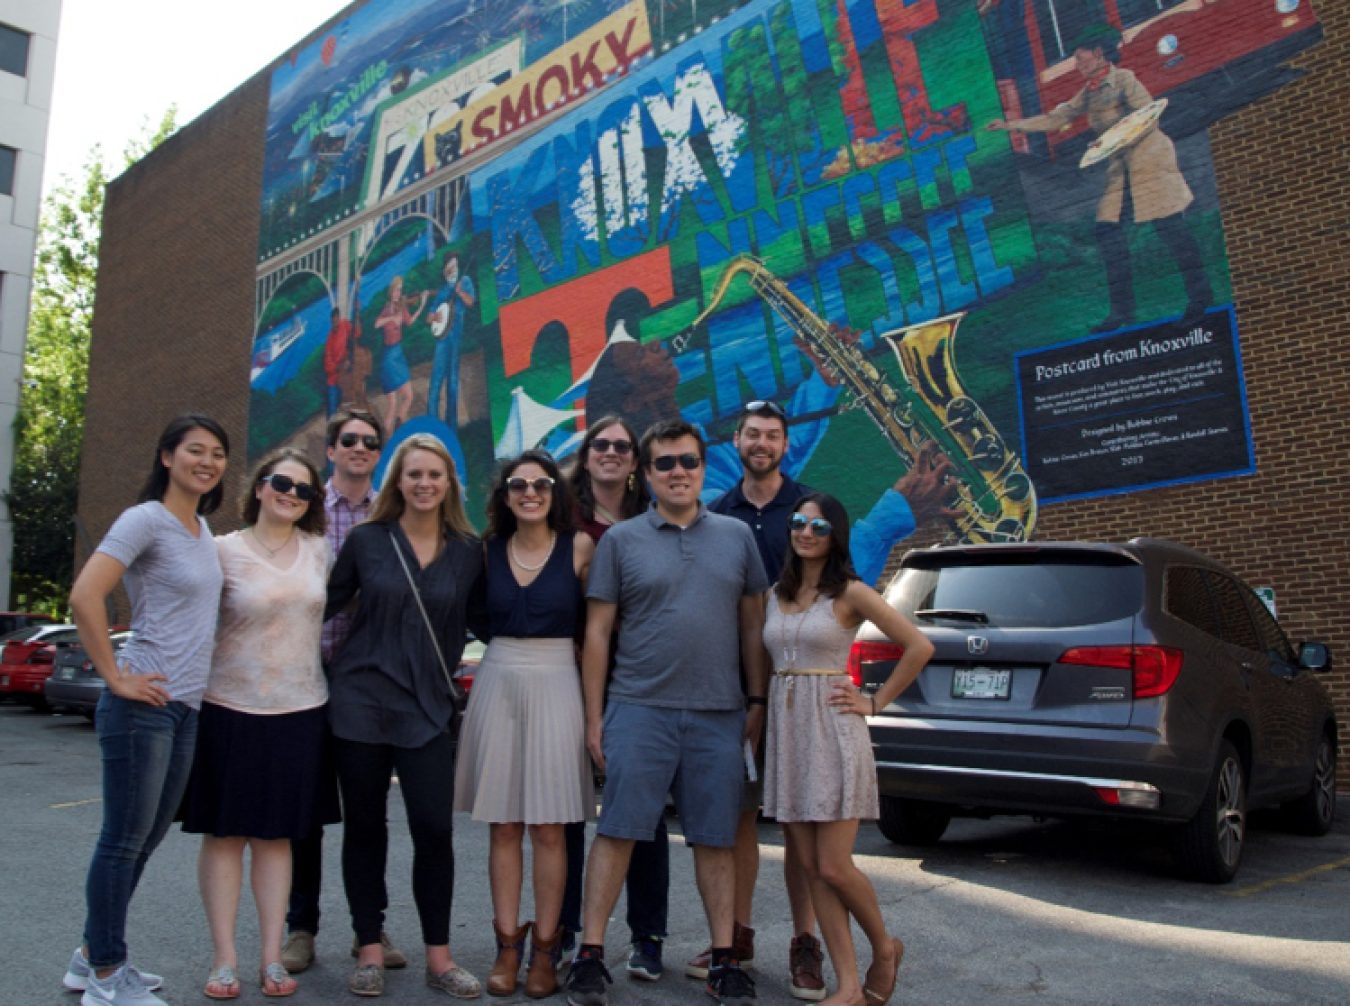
(77, 974)
(121, 988)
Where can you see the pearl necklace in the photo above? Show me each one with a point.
(272, 552)
(511, 546)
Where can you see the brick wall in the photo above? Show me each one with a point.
(176, 299)
(173, 319)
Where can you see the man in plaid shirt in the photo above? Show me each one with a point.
(355, 438)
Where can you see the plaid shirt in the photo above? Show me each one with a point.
(342, 517)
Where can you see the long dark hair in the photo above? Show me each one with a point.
(635, 495)
(838, 571)
(502, 522)
(313, 520)
(158, 483)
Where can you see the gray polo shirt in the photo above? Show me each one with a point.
(678, 591)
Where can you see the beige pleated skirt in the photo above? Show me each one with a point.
(522, 748)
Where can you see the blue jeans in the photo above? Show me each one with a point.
(445, 367)
(147, 757)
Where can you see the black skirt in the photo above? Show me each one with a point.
(265, 777)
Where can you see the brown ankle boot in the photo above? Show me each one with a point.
(506, 972)
(542, 979)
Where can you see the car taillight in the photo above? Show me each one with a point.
(1155, 668)
(42, 656)
(870, 653)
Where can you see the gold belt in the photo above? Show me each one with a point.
(792, 672)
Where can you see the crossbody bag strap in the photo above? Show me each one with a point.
(456, 692)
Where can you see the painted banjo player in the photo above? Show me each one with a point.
(1146, 169)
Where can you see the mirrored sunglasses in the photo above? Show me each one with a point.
(819, 526)
(761, 406)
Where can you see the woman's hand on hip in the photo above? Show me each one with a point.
(139, 687)
(847, 699)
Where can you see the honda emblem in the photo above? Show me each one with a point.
(977, 645)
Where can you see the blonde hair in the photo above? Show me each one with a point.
(389, 504)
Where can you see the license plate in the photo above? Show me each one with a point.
(981, 683)
(4, 680)
(67, 674)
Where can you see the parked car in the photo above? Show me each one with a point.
(11, 621)
(1141, 681)
(26, 661)
(74, 684)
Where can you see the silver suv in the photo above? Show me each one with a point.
(1141, 680)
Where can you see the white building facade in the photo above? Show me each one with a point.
(28, 30)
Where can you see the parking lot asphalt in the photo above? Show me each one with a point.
(1004, 911)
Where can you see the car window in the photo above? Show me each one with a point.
(1186, 596)
(1044, 593)
(64, 636)
(1274, 643)
(22, 635)
(1238, 627)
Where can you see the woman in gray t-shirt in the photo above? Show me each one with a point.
(147, 719)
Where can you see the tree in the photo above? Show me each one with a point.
(49, 427)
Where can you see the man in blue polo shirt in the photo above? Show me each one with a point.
(684, 586)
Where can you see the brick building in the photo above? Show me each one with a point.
(179, 284)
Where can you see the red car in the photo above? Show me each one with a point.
(27, 660)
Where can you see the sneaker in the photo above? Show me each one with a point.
(742, 946)
(731, 986)
(393, 956)
(806, 961)
(586, 982)
(77, 974)
(298, 953)
(121, 988)
(644, 963)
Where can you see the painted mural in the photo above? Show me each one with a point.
(975, 237)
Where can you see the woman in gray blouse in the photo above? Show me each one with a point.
(147, 719)
(410, 570)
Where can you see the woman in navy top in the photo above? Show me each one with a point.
(522, 758)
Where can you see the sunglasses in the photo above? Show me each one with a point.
(819, 526)
(667, 462)
(518, 484)
(349, 440)
(621, 447)
(283, 484)
(759, 407)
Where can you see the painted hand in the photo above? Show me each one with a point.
(927, 486)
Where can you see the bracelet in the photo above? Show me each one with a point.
(874, 705)
(756, 700)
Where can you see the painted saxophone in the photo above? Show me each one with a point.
(996, 500)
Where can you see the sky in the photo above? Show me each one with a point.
(119, 64)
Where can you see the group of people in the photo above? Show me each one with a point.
(631, 630)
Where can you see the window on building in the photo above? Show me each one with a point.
(8, 155)
(1062, 21)
(14, 50)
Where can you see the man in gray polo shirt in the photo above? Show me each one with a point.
(683, 585)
